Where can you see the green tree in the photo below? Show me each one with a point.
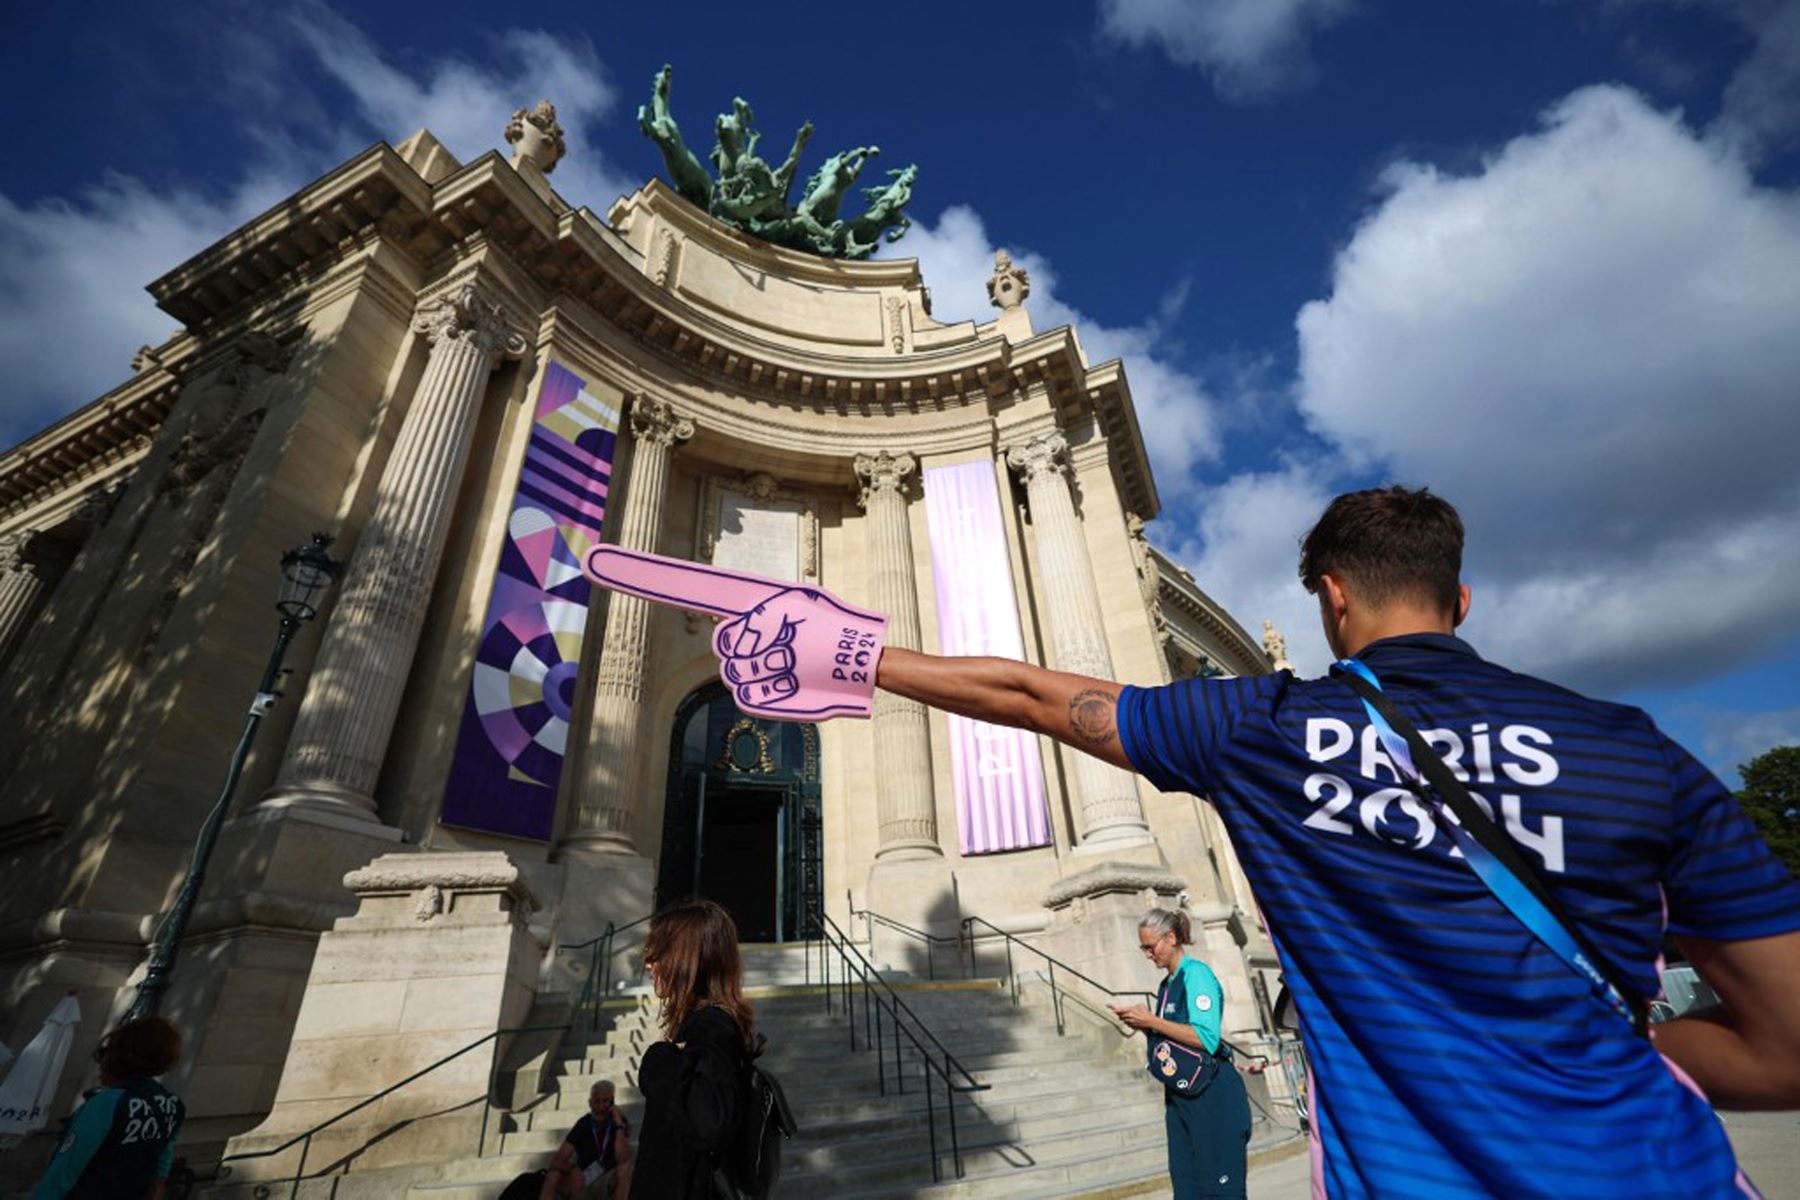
(1771, 795)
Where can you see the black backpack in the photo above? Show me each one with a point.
(749, 1168)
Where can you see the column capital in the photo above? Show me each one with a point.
(882, 472)
(660, 422)
(466, 315)
(1036, 456)
(32, 552)
(12, 550)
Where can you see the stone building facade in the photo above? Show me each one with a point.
(366, 359)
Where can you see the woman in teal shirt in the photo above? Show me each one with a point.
(1209, 1133)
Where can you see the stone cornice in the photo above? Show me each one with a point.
(454, 871)
(377, 197)
(1176, 589)
(112, 432)
(1110, 877)
(271, 249)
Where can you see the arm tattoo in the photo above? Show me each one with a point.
(1091, 716)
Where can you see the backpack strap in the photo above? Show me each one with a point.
(1494, 856)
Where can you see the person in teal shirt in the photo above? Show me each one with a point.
(1209, 1132)
(121, 1141)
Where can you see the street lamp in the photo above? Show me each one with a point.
(307, 572)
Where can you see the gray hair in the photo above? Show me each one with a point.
(1164, 920)
(603, 1085)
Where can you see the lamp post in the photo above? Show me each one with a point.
(306, 574)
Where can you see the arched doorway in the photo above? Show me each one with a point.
(741, 818)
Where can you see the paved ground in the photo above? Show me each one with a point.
(1768, 1146)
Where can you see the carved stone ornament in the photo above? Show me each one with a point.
(97, 505)
(429, 902)
(1010, 283)
(1275, 646)
(762, 486)
(662, 257)
(411, 874)
(1044, 453)
(466, 315)
(1112, 877)
(896, 323)
(884, 472)
(658, 421)
(535, 137)
(223, 426)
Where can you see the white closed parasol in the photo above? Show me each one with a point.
(26, 1091)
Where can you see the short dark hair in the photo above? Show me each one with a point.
(139, 1049)
(1388, 543)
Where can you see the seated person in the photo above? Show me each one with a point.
(594, 1161)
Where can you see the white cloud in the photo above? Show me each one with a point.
(1244, 550)
(1733, 738)
(467, 104)
(1589, 346)
(956, 258)
(1251, 49)
(72, 308)
(1759, 111)
(72, 268)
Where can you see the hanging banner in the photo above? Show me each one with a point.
(998, 774)
(515, 725)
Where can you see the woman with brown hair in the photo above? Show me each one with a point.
(693, 1081)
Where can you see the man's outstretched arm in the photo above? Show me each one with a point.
(1074, 709)
(1746, 1053)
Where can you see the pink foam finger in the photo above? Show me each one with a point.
(695, 587)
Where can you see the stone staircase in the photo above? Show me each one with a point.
(1060, 1116)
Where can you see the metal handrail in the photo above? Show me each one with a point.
(875, 1008)
(849, 948)
(599, 975)
(1012, 975)
(304, 1140)
(931, 940)
(1055, 994)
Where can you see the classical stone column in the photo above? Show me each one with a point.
(353, 695)
(22, 589)
(1070, 606)
(906, 810)
(604, 809)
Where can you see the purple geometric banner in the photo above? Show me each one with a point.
(515, 726)
(998, 775)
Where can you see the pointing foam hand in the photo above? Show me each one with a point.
(787, 652)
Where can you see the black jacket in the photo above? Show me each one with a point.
(693, 1100)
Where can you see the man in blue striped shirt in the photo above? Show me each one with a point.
(1453, 1053)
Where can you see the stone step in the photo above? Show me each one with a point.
(1077, 1075)
(871, 1112)
(896, 1133)
(962, 1037)
(1088, 1152)
(786, 1057)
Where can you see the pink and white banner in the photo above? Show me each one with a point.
(999, 776)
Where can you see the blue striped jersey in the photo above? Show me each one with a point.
(1453, 1054)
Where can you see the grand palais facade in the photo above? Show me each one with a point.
(465, 381)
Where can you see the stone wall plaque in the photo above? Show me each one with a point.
(753, 524)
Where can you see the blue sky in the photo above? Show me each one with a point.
(1543, 255)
